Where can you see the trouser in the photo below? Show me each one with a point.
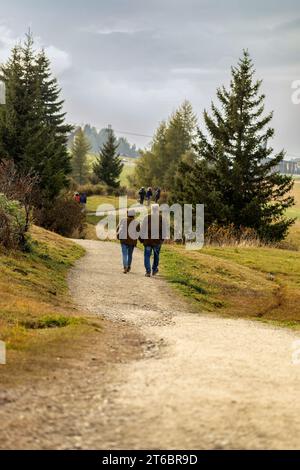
(147, 258)
(127, 254)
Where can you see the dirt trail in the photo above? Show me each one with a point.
(202, 382)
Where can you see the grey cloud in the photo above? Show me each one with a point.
(131, 62)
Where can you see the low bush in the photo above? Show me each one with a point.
(13, 224)
(92, 189)
(231, 236)
(117, 192)
(65, 217)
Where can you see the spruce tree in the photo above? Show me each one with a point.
(32, 128)
(80, 150)
(16, 110)
(150, 168)
(109, 166)
(234, 173)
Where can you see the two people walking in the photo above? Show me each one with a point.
(151, 234)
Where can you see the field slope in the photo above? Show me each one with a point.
(37, 315)
(260, 283)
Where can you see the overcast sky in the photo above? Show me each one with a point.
(130, 63)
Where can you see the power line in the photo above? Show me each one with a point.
(134, 133)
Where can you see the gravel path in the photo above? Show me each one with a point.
(200, 382)
(205, 382)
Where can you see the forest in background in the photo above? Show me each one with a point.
(97, 139)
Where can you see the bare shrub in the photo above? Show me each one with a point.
(20, 189)
(92, 189)
(65, 217)
(7, 237)
(12, 223)
(230, 235)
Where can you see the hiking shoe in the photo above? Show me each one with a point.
(148, 275)
(129, 269)
(125, 270)
(155, 273)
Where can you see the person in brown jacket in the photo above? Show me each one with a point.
(125, 230)
(152, 236)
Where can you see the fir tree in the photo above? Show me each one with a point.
(32, 128)
(80, 150)
(234, 173)
(109, 166)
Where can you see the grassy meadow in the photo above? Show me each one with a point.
(260, 283)
(256, 283)
(95, 201)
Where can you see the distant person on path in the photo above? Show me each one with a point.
(149, 196)
(152, 236)
(125, 229)
(142, 195)
(157, 195)
(77, 197)
(83, 201)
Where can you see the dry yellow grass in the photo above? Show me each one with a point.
(37, 316)
(294, 235)
(261, 283)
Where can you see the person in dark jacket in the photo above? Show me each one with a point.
(128, 243)
(152, 236)
(149, 196)
(83, 201)
(142, 195)
(157, 195)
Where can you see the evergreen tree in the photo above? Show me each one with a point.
(15, 112)
(109, 166)
(234, 173)
(179, 137)
(151, 167)
(80, 150)
(172, 140)
(32, 128)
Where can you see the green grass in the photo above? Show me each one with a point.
(295, 210)
(128, 170)
(51, 321)
(93, 219)
(260, 283)
(33, 289)
(95, 201)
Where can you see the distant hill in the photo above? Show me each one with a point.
(98, 138)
